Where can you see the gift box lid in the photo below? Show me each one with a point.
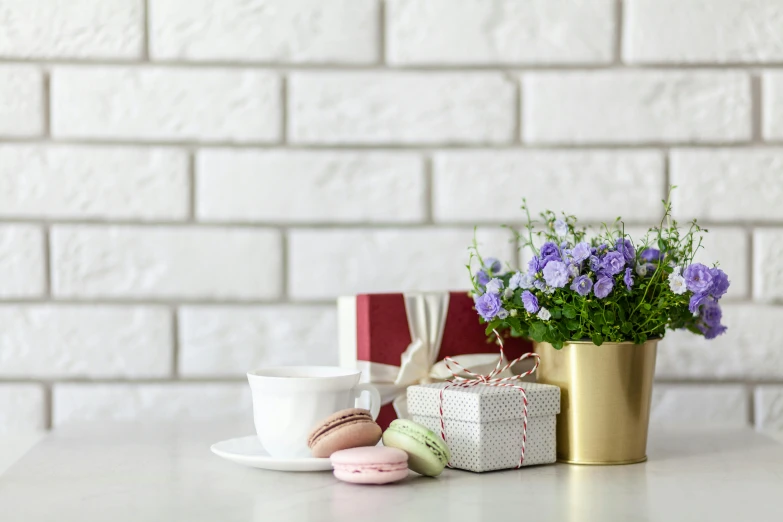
(483, 403)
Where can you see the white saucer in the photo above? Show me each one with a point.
(248, 451)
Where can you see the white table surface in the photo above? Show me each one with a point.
(166, 473)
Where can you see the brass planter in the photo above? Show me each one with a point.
(605, 400)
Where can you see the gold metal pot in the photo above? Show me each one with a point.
(605, 399)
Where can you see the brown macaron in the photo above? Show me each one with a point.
(351, 428)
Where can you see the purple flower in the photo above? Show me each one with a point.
(549, 252)
(493, 265)
(720, 283)
(695, 302)
(561, 229)
(573, 269)
(714, 331)
(628, 278)
(488, 306)
(603, 287)
(539, 284)
(613, 263)
(534, 265)
(482, 277)
(697, 278)
(494, 286)
(651, 254)
(581, 252)
(526, 281)
(503, 313)
(513, 283)
(556, 274)
(595, 263)
(529, 301)
(711, 313)
(582, 285)
(625, 247)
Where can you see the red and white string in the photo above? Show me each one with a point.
(490, 379)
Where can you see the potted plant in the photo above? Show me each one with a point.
(596, 308)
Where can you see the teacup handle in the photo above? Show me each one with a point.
(375, 398)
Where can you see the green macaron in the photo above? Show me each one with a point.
(427, 453)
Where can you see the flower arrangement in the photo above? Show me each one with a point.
(601, 289)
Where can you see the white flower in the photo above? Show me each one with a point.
(641, 269)
(503, 313)
(508, 293)
(677, 283)
(513, 313)
(561, 229)
(494, 286)
(526, 281)
(544, 314)
(515, 280)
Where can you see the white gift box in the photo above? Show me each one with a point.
(484, 423)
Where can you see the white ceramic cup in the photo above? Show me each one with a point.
(289, 401)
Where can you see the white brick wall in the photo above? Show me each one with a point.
(185, 186)
(636, 106)
(99, 341)
(159, 104)
(22, 263)
(288, 31)
(21, 407)
(695, 31)
(230, 341)
(715, 405)
(400, 107)
(575, 179)
(310, 187)
(499, 32)
(149, 402)
(21, 101)
(86, 182)
(76, 29)
(138, 262)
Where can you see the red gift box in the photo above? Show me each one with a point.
(374, 328)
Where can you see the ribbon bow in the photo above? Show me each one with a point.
(491, 379)
(426, 314)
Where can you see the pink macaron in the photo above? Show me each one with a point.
(370, 465)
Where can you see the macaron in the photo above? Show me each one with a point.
(370, 465)
(427, 453)
(345, 429)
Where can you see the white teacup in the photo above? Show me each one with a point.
(288, 402)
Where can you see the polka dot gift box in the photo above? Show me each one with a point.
(484, 424)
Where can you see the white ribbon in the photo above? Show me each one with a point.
(419, 363)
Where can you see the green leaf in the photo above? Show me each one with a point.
(569, 311)
(558, 301)
(646, 306)
(494, 324)
(597, 319)
(561, 326)
(609, 317)
(626, 327)
(598, 340)
(572, 324)
(557, 312)
(537, 331)
(557, 345)
(606, 330)
(621, 313)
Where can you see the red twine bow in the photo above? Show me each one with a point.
(490, 379)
